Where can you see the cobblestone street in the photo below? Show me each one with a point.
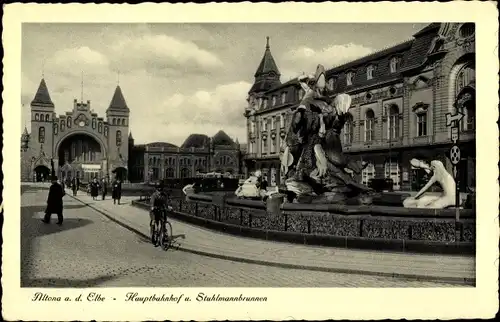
(89, 250)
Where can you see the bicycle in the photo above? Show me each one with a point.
(161, 231)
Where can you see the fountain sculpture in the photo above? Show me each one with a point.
(315, 168)
(440, 176)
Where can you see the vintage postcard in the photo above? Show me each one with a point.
(250, 161)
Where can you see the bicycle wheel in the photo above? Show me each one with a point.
(166, 236)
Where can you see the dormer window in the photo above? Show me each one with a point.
(283, 98)
(331, 83)
(301, 94)
(349, 78)
(369, 72)
(274, 100)
(394, 64)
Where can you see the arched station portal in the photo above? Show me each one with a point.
(81, 156)
(42, 173)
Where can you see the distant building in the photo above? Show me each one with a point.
(400, 98)
(85, 145)
(198, 154)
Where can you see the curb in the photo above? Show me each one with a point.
(414, 277)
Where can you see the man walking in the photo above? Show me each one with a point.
(117, 191)
(104, 188)
(54, 202)
(74, 186)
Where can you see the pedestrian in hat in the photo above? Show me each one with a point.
(117, 191)
(54, 202)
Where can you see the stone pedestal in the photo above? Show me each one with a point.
(273, 204)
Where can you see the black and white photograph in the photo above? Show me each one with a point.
(212, 156)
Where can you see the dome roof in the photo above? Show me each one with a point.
(221, 138)
(161, 144)
(196, 141)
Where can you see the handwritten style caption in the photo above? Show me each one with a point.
(146, 298)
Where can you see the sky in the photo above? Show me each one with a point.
(179, 79)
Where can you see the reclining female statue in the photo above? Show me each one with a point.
(439, 175)
(312, 158)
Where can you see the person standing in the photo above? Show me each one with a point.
(94, 189)
(117, 191)
(104, 189)
(74, 186)
(54, 202)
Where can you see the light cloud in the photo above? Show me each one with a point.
(162, 53)
(72, 61)
(305, 59)
(204, 111)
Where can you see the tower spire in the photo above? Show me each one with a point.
(43, 68)
(267, 43)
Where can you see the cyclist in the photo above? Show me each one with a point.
(159, 201)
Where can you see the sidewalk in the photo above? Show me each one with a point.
(190, 238)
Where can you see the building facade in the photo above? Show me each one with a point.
(198, 154)
(400, 96)
(80, 142)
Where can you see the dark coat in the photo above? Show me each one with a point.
(117, 190)
(94, 189)
(54, 200)
(104, 188)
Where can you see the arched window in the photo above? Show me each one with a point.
(99, 127)
(393, 122)
(349, 129)
(283, 98)
(94, 122)
(367, 174)
(36, 117)
(69, 122)
(56, 128)
(41, 134)
(466, 77)
(114, 121)
(63, 123)
(105, 131)
(47, 118)
(124, 122)
(118, 138)
(169, 173)
(391, 171)
(369, 126)
(185, 173)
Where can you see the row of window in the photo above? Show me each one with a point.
(46, 118)
(119, 121)
(370, 72)
(42, 117)
(224, 160)
(170, 173)
(156, 161)
(279, 120)
(262, 103)
(41, 133)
